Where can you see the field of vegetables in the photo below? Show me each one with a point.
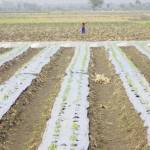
(75, 95)
(60, 90)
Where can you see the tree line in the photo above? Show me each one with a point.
(6, 5)
(135, 5)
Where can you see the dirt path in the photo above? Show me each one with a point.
(9, 68)
(4, 50)
(141, 61)
(27, 119)
(114, 124)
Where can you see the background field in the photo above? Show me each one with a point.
(114, 123)
(66, 26)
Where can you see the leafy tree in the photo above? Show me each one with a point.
(108, 5)
(96, 3)
(122, 6)
(138, 2)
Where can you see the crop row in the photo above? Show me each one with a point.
(135, 84)
(12, 88)
(68, 126)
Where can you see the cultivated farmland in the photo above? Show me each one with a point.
(29, 97)
(101, 26)
(63, 90)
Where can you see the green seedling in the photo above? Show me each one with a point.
(73, 138)
(75, 126)
(52, 147)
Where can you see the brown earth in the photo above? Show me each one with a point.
(114, 124)
(4, 50)
(22, 127)
(9, 68)
(141, 61)
(71, 31)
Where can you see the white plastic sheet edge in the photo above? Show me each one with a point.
(143, 48)
(11, 89)
(71, 131)
(13, 53)
(137, 79)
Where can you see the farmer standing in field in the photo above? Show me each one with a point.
(83, 28)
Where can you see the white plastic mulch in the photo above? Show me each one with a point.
(16, 51)
(12, 88)
(136, 86)
(143, 48)
(68, 127)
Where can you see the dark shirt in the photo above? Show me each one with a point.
(83, 29)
